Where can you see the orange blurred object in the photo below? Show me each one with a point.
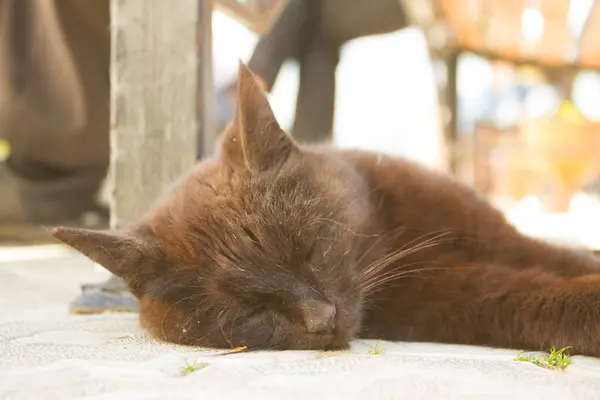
(564, 152)
(512, 175)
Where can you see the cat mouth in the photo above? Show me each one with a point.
(336, 343)
(328, 341)
(323, 336)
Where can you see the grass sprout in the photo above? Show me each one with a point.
(554, 359)
(376, 350)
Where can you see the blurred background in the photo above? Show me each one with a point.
(504, 94)
(525, 111)
(375, 84)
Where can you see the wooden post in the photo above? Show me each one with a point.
(206, 103)
(153, 100)
(450, 91)
(153, 131)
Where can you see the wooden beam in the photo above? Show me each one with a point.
(153, 101)
(451, 104)
(206, 102)
(256, 15)
(590, 39)
(153, 75)
(470, 19)
(546, 66)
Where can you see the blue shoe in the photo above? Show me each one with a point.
(109, 296)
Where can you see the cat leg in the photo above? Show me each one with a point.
(502, 307)
(506, 245)
(523, 251)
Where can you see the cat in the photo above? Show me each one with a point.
(276, 245)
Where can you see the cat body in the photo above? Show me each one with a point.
(275, 245)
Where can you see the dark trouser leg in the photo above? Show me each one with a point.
(55, 92)
(316, 95)
(54, 113)
(312, 31)
(344, 20)
(280, 43)
(294, 35)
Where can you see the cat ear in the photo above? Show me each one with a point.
(117, 252)
(254, 140)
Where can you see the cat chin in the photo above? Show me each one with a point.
(327, 342)
(337, 345)
(312, 342)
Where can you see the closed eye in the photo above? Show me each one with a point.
(311, 252)
(251, 235)
(261, 302)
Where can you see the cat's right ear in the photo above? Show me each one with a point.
(118, 252)
(254, 141)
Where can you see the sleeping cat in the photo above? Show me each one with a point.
(273, 245)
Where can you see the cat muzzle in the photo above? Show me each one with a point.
(319, 317)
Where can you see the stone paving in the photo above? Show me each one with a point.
(45, 353)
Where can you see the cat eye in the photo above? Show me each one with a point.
(311, 252)
(250, 234)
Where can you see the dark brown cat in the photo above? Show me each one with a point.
(275, 245)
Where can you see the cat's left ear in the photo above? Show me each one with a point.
(254, 140)
(120, 253)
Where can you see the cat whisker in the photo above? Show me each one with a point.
(379, 286)
(332, 221)
(186, 326)
(394, 233)
(371, 277)
(368, 289)
(233, 321)
(422, 246)
(403, 267)
(402, 249)
(220, 323)
(381, 265)
(427, 243)
(361, 259)
(435, 235)
(377, 266)
(194, 296)
(375, 278)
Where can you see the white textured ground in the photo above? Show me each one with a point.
(45, 353)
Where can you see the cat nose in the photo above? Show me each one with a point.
(319, 317)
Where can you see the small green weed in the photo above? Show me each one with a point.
(556, 359)
(377, 350)
(189, 368)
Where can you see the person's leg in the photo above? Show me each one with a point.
(345, 20)
(315, 103)
(296, 35)
(54, 112)
(331, 24)
(280, 43)
(313, 31)
(55, 93)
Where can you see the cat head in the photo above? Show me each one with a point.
(255, 247)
